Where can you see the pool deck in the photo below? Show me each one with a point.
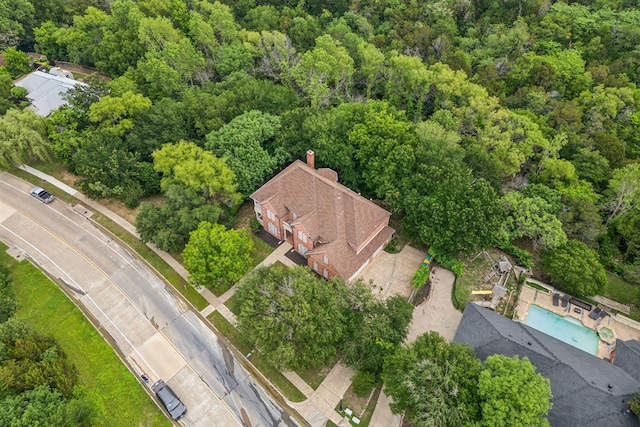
(622, 327)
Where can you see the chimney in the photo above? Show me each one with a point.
(311, 159)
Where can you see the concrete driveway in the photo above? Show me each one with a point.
(391, 275)
(437, 313)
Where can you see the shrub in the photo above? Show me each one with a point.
(523, 257)
(255, 225)
(421, 277)
(457, 267)
(363, 383)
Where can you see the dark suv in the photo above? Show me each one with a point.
(41, 194)
(169, 399)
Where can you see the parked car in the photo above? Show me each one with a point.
(169, 399)
(41, 194)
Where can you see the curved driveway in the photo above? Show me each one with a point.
(155, 331)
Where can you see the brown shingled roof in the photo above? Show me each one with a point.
(329, 210)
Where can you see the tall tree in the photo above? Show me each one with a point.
(450, 209)
(293, 317)
(216, 257)
(325, 72)
(533, 217)
(512, 393)
(433, 382)
(576, 268)
(241, 142)
(190, 165)
(22, 138)
(624, 190)
(373, 328)
(168, 226)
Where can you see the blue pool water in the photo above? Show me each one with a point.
(566, 329)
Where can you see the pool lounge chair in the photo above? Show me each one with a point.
(565, 300)
(594, 314)
(602, 314)
(556, 299)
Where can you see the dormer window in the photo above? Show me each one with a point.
(325, 260)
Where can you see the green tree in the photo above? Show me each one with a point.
(623, 191)
(532, 217)
(44, 406)
(325, 72)
(8, 303)
(165, 122)
(16, 21)
(28, 360)
(241, 142)
(16, 62)
(512, 393)
(168, 225)
(115, 113)
(628, 228)
(450, 209)
(433, 382)
(194, 167)
(293, 317)
(22, 138)
(373, 328)
(216, 257)
(576, 268)
(109, 170)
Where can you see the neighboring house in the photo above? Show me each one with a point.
(337, 230)
(587, 391)
(45, 90)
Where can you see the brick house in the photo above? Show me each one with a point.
(337, 230)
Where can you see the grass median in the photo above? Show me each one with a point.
(118, 397)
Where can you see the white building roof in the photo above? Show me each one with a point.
(45, 91)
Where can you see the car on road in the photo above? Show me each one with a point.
(169, 399)
(41, 194)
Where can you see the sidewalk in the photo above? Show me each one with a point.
(319, 407)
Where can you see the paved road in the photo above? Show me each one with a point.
(155, 331)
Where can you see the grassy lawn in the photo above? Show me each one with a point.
(118, 397)
(315, 376)
(268, 370)
(625, 293)
(471, 278)
(154, 259)
(261, 250)
(362, 407)
(538, 287)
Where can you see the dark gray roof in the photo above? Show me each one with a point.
(628, 357)
(587, 391)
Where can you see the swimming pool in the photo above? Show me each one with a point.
(566, 329)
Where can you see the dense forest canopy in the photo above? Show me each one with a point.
(479, 123)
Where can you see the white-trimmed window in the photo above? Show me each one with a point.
(302, 248)
(302, 236)
(325, 260)
(325, 273)
(273, 229)
(315, 266)
(271, 215)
